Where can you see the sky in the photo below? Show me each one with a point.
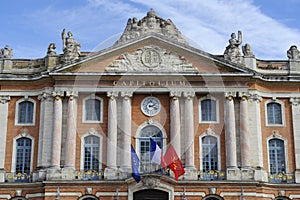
(269, 26)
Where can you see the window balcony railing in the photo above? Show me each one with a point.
(89, 175)
(211, 175)
(281, 178)
(18, 177)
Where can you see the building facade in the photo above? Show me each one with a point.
(68, 120)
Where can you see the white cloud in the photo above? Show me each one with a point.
(207, 23)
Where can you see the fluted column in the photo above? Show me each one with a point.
(295, 103)
(175, 121)
(70, 151)
(189, 130)
(112, 131)
(126, 131)
(4, 101)
(57, 130)
(244, 133)
(230, 133)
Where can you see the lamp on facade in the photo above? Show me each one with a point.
(242, 193)
(184, 198)
(117, 194)
(57, 194)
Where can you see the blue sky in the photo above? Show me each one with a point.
(269, 26)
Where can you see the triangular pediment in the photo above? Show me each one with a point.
(152, 54)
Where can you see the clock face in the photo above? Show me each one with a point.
(150, 106)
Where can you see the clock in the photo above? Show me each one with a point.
(150, 106)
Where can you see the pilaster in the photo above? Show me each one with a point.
(45, 135)
(296, 128)
(4, 101)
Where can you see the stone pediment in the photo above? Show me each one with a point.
(151, 59)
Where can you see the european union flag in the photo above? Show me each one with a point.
(135, 164)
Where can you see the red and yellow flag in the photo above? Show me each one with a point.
(173, 162)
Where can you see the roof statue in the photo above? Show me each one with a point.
(71, 47)
(247, 50)
(51, 49)
(150, 24)
(6, 52)
(232, 51)
(293, 53)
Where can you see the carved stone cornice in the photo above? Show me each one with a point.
(151, 59)
(295, 101)
(4, 99)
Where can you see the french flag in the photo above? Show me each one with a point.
(156, 155)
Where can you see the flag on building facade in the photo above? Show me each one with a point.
(155, 153)
(135, 164)
(173, 162)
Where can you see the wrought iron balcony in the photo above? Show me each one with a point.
(211, 175)
(18, 177)
(281, 178)
(89, 175)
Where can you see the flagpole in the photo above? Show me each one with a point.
(117, 193)
(184, 198)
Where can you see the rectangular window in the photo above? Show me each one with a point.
(208, 110)
(93, 110)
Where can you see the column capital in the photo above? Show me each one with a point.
(58, 94)
(46, 96)
(230, 95)
(254, 97)
(126, 94)
(72, 94)
(189, 94)
(4, 99)
(175, 94)
(295, 101)
(112, 94)
(244, 95)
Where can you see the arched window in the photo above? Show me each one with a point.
(144, 146)
(208, 110)
(282, 198)
(209, 153)
(92, 110)
(212, 197)
(276, 156)
(25, 112)
(88, 197)
(91, 153)
(18, 198)
(23, 155)
(274, 113)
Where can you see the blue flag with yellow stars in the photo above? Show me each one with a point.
(135, 164)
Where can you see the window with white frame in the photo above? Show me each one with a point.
(23, 155)
(92, 153)
(208, 110)
(209, 153)
(25, 110)
(276, 156)
(92, 110)
(274, 113)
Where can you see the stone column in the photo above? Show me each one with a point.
(111, 158)
(45, 135)
(126, 132)
(230, 133)
(54, 172)
(70, 150)
(296, 128)
(175, 121)
(4, 101)
(189, 136)
(244, 133)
